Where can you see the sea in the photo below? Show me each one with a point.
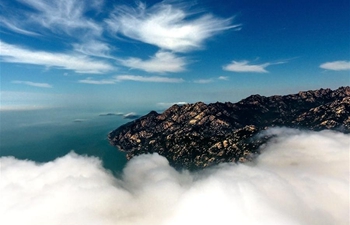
(46, 134)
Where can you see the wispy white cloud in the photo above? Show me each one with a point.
(155, 79)
(89, 80)
(210, 80)
(34, 84)
(120, 78)
(14, 26)
(245, 67)
(78, 63)
(162, 62)
(336, 65)
(168, 26)
(223, 78)
(204, 81)
(65, 18)
(93, 48)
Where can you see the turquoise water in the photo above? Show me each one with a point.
(44, 135)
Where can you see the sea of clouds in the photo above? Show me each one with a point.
(301, 177)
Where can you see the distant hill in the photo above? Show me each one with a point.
(199, 135)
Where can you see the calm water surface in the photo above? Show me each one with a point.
(44, 135)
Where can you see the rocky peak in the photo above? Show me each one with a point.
(199, 135)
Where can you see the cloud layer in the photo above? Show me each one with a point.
(300, 178)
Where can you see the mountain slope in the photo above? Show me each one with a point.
(199, 135)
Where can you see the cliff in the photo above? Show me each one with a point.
(199, 135)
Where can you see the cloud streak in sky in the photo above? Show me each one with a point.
(154, 79)
(223, 78)
(90, 80)
(245, 67)
(93, 48)
(173, 27)
(78, 63)
(300, 178)
(336, 65)
(14, 26)
(120, 78)
(162, 62)
(66, 19)
(167, 26)
(34, 84)
(204, 81)
(210, 80)
(65, 15)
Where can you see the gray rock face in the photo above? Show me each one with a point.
(199, 135)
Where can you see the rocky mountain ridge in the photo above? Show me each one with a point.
(199, 135)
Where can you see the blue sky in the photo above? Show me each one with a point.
(150, 54)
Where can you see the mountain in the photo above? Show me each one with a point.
(198, 135)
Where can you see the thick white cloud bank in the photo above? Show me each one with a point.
(300, 178)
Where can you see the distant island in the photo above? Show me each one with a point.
(110, 114)
(129, 116)
(199, 135)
